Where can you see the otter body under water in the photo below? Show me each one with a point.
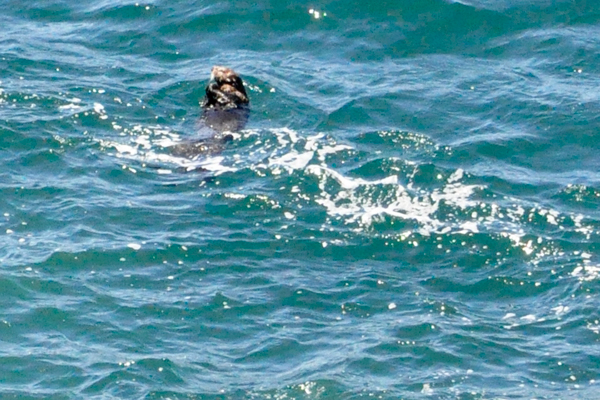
(225, 110)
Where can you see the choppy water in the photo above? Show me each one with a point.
(411, 211)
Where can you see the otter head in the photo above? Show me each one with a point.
(225, 90)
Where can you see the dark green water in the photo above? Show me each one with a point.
(411, 211)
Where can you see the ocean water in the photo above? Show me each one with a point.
(411, 212)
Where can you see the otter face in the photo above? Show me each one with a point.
(225, 90)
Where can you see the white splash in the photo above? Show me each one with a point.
(355, 200)
(292, 160)
(587, 271)
(145, 145)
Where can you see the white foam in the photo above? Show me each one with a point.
(331, 150)
(347, 182)
(67, 107)
(528, 318)
(99, 108)
(587, 271)
(361, 201)
(292, 161)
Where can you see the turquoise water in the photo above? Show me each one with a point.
(411, 211)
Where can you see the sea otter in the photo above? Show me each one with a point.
(225, 110)
(225, 90)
